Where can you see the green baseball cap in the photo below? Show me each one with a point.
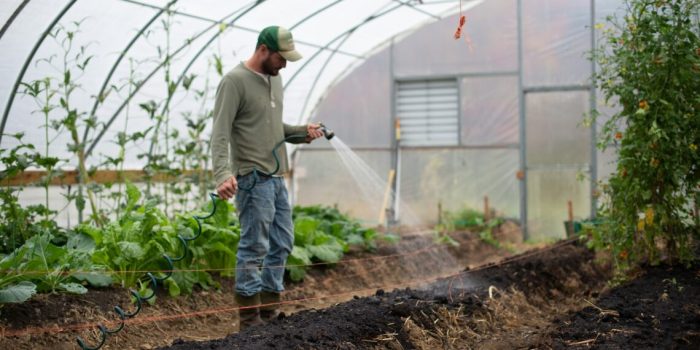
(279, 39)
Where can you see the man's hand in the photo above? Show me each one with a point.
(228, 188)
(313, 131)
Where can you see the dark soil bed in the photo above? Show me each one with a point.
(380, 320)
(658, 310)
(54, 321)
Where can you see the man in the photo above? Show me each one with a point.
(247, 128)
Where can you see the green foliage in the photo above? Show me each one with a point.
(14, 286)
(41, 266)
(323, 234)
(135, 243)
(17, 293)
(18, 223)
(468, 219)
(650, 65)
(214, 249)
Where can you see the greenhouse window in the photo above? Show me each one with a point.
(429, 112)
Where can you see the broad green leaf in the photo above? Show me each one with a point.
(95, 279)
(304, 229)
(73, 288)
(327, 252)
(173, 287)
(17, 293)
(81, 242)
(222, 216)
(132, 196)
(296, 273)
(95, 233)
(220, 247)
(131, 250)
(355, 238)
(299, 256)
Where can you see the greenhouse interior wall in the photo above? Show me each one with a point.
(519, 76)
(524, 90)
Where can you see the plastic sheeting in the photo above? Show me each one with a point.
(490, 111)
(332, 35)
(458, 179)
(556, 39)
(321, 178)
(346, 79)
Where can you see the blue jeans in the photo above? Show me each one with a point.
(267, 234)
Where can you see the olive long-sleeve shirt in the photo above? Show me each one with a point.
(248, 125)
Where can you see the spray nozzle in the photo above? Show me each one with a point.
(328, 133)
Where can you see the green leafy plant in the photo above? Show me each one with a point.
(467, 219)
(19, 223)
(323, 234)
(213, 250)
(14, 287)
(650, 68)
(41, 266)
(135, 243)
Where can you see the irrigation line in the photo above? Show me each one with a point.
(185, 315)
(340, 262)
(125, 316)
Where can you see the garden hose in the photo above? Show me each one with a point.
(104, 331)
(328, 133)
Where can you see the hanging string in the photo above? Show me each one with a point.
(460, 25)
(462, 20)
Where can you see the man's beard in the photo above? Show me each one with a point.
(269, 68)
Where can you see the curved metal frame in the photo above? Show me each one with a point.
(345, 34)
(205, 46)
(166, 105)
(29, 59)
(189, 65)
(98, 97)
(13, 17)
(247, 7)
(149, 76)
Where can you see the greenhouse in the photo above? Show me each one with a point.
(454, 173)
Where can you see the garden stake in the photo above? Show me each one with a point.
(104, 332)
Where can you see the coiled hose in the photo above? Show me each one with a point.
(123, 315)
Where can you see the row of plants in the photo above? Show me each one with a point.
(126, 231)
(469, 219)
(649, 69)
(122, 251)
(179, 154)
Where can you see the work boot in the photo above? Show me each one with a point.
(249, 310)
(270, 312)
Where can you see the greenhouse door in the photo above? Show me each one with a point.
(558, 160)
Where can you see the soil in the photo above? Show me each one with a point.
(410, 295)
(382, 320)
(659, 309)
(54, 321)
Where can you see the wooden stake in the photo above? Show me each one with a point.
(487, 212)
(387, 193)
(571, 217)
